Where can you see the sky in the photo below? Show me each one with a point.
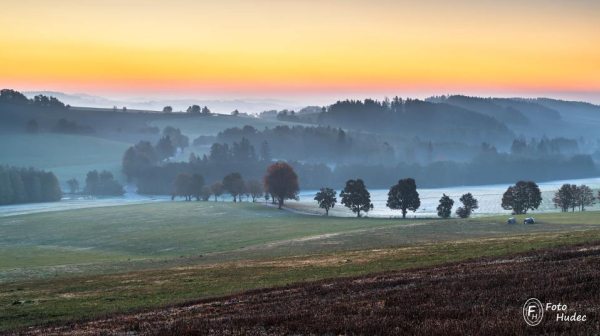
(308, 48)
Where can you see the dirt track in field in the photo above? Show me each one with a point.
(482, 296)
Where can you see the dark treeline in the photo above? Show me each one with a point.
(11, 97)
(501, 168)
(315, 144)
(21, 185)
(441, 122)
(71, 127)
(489, 168)
(507, 110)
(544, 147)
(102, 184)
(333, 145)
(155, 177)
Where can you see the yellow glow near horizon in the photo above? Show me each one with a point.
(308, 46)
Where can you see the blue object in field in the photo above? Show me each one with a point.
(512, 220)
(529, 220)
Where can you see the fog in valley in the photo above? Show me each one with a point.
(447, 144)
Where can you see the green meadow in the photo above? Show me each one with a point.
(86, 263)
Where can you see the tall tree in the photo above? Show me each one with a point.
(326, 199)
(206, 193)
(281, 181)
(564, 197)
(182, 186)
(586, 197)
(444, 209)
(404, 196)
(356, 197)
(470, 203)
(164, 148)
(196, 186)
(50, 187)
(234, 184)
(73, 185)
(265, 151)
(255, 188)
(167, 109)
(194, 109)
(522, 197)
(217, 189)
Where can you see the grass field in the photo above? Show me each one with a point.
(67, 156)
(461, 298)
(81, 264)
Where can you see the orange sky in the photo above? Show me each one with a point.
(277, 47)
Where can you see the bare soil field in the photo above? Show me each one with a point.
(477, 296)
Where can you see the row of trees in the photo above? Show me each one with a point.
(102, 183)
(21, 185)
(279, 183)
(402, 196)
(571, 196)
(13, 97)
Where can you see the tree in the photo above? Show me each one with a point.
(194, 109)
(205, 111)
(564, 198)
(217, 189)
(281, 181)
(356, 197)
(255, 189)
(50, 187)
(73, 185)
(522, 197)
(470, 203)
(265, 151)
(138, 159)
(206, 193)
(586, 197)
(32, 126)
(404, 196)
(177, 138)
(182, 186)
(164, 148)
(234, 184)
(326, 199)
(102, 183)
(196, 186)
(167, 109)
(444, 209)
(235, 113)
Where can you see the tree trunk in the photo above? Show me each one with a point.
(403, 213)
(358, 214)
(280, 203)
(326, 212)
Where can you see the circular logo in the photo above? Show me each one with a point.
(533, 311)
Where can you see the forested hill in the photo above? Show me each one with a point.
(415, 118)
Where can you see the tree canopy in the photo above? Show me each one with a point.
(404, 196)
(356, 197)
(326, 199)
(522, 197)
(281, 181)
